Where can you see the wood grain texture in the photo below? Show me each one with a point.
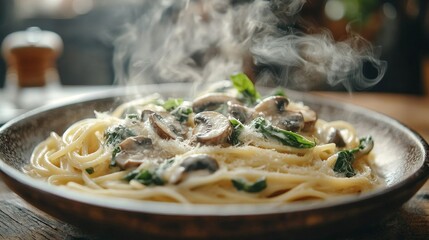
(19, 220)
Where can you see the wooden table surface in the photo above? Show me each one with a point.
(19, 220)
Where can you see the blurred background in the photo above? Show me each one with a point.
(88, 28)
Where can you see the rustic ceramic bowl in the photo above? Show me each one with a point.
(401, 157)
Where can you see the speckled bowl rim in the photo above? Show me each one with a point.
(419, 176)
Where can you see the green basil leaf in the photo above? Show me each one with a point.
(132, 116)
(117, 134)
(90, 170)
(115, 152)
(344, 163)
(237, 128)
(243, 185)
(245, 87)
(182, 113)
(145, 177)
(131, 175)
(172, 103)
(287, 138)
(345, 159)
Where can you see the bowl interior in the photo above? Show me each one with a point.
(400, 154)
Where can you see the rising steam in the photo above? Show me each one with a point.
(205, 41)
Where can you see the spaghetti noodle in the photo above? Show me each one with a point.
(230, 147)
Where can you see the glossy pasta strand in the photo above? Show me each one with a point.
(80, 160)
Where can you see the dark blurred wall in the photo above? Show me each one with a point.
(88, 51)
(401, 39)
(5, 19)
(404, 46)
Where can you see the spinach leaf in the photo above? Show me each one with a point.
(165, 165)
(345, 159)
(245, 87)
(287, 138)
(145, 177)
(236, 131)
(176, 107)
(90, 170)
(182, 113)
(243, 185)
(115, 152)
(117, 134)
(132, 116)
(365, 145)
(150, 177)
(114, 136)
(344, 163)
(172, 103)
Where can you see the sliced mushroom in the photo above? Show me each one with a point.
(333, 135)
(129, 147)
(136, 143)
(211, 102)
(274, 108)
(124, 161)
(201, 163)
(289, 120)
(166, 125)
(240, 112)
(272, 105)
(211, 128)
(145, 115)
(310, 118)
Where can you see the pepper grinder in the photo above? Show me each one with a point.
(31, 58)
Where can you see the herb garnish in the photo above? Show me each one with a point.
(115, 152)
(117, 134)
(176, 107)
(181, 113)
(150, 177)
(236, 131)
(132, 116)
(145, 177)
(172, 103)
(245, 87)
(345, 159)
(287, 138)
(114, 136)
(243, 185)
(90, 170)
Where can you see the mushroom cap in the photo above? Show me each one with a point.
(165, 124)
(288, 120)
(196, 164)
(200, 162)
(272, 105)
(211, 128)
(129, 147)
(240, 112)
(212, 101)
(135, 143)
(310, 118)
(333, 135)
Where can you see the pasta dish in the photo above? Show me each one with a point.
(230, 145)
